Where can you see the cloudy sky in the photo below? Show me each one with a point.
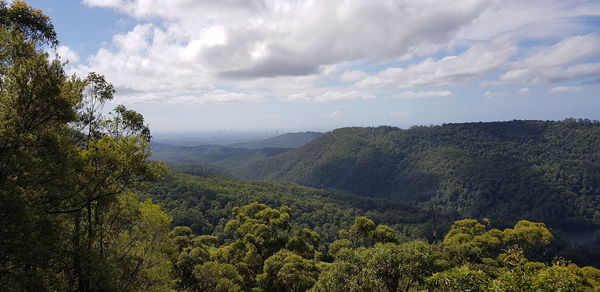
(315, 65)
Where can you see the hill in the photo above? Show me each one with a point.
(288, 140)
(536, 170)
(210, 158)
(218, 159)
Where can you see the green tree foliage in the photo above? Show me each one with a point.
(261, 251)
(470, 240)
(472, 257)
(213, 276)
(201, 202)
(460, 279)
(69, 217)
(32, 23)
(287, 271)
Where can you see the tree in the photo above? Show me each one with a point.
(218, 277)
(70, 218)
(32, 23)
(287, 271)
(459, 279)
(258, 232)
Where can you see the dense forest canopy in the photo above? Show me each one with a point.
(202, 203)
(538, 170)
(259, 249)
(76, 212)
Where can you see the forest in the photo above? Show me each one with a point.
(84, 208)
(545, 171)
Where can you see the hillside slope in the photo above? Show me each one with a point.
(212, 158)
(544, 171)
(288, 140)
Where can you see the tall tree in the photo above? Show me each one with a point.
(68, 213)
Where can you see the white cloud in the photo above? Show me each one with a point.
(424, 94)
(566, 51)
(451, 70)
(523, 90)
(556, 63)
(216, 43)
(492, 94)
(274, 37)
(328, 96)
(104, 3)
(400, 113)
(333, 114)
(66, 54)
(562, 89)
(183, 49)
(548, 75)
(213, 96)
(353, 76)
(536, 19)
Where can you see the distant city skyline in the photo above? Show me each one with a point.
(193, 66)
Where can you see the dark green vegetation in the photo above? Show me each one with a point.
(259, 249)
(69, 220)
(289, 140)
(72, 217)
(505, 171)
(210, 158)
(202, 203)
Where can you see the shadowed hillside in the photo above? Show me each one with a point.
(547, 171)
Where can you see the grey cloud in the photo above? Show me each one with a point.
(274, 67)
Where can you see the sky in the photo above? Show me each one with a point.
(296, 65)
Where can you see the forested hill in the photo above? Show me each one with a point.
(538, 170)
(288, 140)
(224, 159)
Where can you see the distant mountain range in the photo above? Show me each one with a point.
(289, 140)
(224, 159)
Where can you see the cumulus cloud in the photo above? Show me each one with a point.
(400, 113)
(548, 75)
(423, 94)
(274, 37)
(66, 54)
(353, 76)
(328, 96)
(562, 89)
(492, 94)
(569, 50)
(333, 114)
(451, 70)
(183, 50)
(534, 19)
(523, 90)
(212, 43)
(556, 63)
(219, 96)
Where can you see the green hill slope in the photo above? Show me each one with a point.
(203, 203)
(288, 140)
(543, 171)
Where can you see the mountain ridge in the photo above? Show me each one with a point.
(540, 170)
